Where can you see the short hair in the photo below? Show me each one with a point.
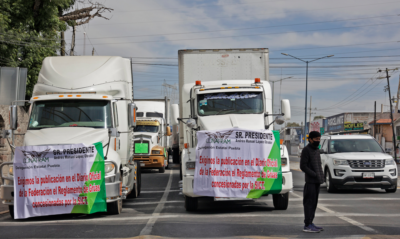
(314, 134)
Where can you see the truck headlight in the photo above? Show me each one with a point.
(109, 167)
(190, 165)
(389, 162)
(155, 151)
(340, 162)
(284, 162)
(11, 171)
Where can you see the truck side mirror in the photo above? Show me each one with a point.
(13, 114)
(285, 106)
(174, 114)
(168, 131)
(132, 115)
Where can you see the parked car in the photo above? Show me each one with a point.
(357, 161)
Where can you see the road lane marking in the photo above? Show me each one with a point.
(150, 223)
(191, 216)
(159, 191)
(344, 218)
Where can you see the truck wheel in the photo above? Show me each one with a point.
(191, 204)
(180, 170)
(281, 201)
(139, 178)
(134, 193)
(161, 170)
(114, 207)
(330, 187)
(388, 190)
(11, 210)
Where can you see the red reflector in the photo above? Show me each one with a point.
(198, 82)
(257, 80)
(186, 145)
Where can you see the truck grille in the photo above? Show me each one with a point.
(366, 163)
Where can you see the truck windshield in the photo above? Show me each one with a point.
(354, 145)
(146, 128)
(230, 103)
(71, 113)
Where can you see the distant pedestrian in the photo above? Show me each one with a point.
(310, 164)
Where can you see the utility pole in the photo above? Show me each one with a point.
(398, 96)
(391, 112)
(309, 126)
(375, 120)
(93, 52)
(84, 43)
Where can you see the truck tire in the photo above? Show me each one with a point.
(11, 210)
(134, 193)
(115, 207)
(139, 178)
(388, 190)
(191, 204)
(330, 187)
(161, 170)
(281, 201)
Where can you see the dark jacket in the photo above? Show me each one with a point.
(310, 164)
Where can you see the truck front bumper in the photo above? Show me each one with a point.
(188, 182)
(152, 162)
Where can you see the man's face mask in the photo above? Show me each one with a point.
(315, 143)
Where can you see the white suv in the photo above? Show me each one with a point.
(356, 161)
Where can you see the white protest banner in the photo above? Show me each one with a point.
(59, 179)
(237, 163)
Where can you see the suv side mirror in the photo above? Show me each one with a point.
(174, 114)
(13, 117)
(168, 131)
(132, 115)
(322, 151)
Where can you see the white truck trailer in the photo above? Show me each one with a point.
(152, 133)
(85, 99)
(220, 72)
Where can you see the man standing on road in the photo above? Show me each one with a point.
(310, 164)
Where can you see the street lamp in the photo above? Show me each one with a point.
(305, 109)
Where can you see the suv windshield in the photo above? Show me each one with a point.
(230, 103)
(354, 145)
(146, 128)
(71, 113)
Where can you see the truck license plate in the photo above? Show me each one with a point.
(368, 175)
(142, 165)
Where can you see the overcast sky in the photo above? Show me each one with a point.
(362, 34)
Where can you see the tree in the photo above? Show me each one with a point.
(79, 17)
(29, 33)
(319, 117)
(292, 124)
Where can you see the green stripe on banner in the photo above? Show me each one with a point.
(96, 200)
(272, 186)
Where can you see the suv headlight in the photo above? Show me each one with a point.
(340, 162)
(109, 167)
(155, 151)
(389, 162)
(284, 162)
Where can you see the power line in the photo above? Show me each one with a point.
(265, 34)
(238, 29)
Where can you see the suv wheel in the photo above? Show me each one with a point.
(393, 189)
(330, 187)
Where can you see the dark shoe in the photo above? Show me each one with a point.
(318, 228)
(310, 228)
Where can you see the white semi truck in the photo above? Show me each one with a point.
(85, 99)
(219, 73)
(152, 133)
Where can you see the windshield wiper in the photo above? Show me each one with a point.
(220, 111)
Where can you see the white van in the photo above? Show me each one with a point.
(356, 161)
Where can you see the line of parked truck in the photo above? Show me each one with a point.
(88, 99)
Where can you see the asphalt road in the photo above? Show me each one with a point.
(159, 212)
